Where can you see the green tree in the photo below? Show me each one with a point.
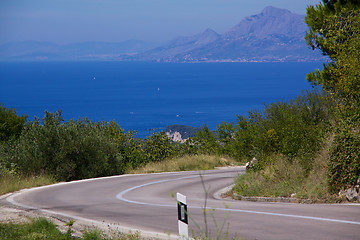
(11, 124)
(334, 28)
(157, 147)
(206, 141)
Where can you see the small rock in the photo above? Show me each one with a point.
(175, 137)
(352, 194)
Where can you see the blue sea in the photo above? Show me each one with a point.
(144, 96)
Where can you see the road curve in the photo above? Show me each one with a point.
(146, 202)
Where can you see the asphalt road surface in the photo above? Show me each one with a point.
(147, 202)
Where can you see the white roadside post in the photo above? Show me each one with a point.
(182, 217)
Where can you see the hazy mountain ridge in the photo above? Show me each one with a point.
(180, 45)
(271, 21)
(33, 50)
(271, 36)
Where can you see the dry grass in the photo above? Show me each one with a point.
(12, 183)
(282, 178)
(186, 163)
(316, 185)
(278, 179)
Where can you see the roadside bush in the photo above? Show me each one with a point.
(136, 152)
(157, 147)
(295, 129)
(73, 150)
(130, 147)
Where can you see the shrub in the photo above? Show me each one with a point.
(73, 150)
(295, 129)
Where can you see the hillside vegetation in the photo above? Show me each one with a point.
(290, 133)
(308, 147)
(334, 28)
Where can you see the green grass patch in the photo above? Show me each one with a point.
(15, 182)
(36, 229)
(185, 163)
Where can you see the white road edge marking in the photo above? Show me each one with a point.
(121, 197)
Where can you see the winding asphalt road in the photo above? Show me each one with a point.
(146, 202)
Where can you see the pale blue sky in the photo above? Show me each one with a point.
(67, 21)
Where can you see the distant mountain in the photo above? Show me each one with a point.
(270, 22)
(103, 48)
(28, 50)
(180, 45)
(273, 35)
(270, 36)
(32, 50)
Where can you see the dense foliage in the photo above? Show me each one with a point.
(84, 149)
(294, 129)
(80, 149)
(335, 30)
(11, 124)
(72, 150)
